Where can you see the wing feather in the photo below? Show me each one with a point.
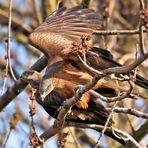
(71, 23)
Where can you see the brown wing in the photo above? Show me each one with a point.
(72, 23)
(62, 28)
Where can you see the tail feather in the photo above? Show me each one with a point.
(141, 81)
(101, 59)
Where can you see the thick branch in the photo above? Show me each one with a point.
(129, 139)
(54, 130)
(19, 85)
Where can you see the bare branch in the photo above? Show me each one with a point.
(130, 111)
(9, 41)
(60, 4)
(111, 99)
(129, 139)
(16, 23)
(142, 5)
(141, 28)
(19, 85)
(126, 69)
(106, 125)
(117, 32)
(53, 130)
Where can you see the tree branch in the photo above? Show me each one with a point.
(54, 130)
(117, 32)
(130, 111)
(19, 85)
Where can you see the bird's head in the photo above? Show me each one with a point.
(32, 77)
(46, 86)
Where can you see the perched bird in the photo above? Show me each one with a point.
(56, 37)
(88, 110)
(64, 75)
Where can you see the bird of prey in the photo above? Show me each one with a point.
(88, 110)
(56, 37)
(57, 34)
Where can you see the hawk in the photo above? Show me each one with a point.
(56, 37)
(88, 110)
(64, 27)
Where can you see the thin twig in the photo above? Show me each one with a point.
(90, 69)
(53, 130)
(9, 41)
(106, 125)
(14, 120)
(60, 4)
(7, 137)
(117, 32)
(141, 38)
(19, 85)
(8, 63)
(142, 5)
(74, 138)
(141, 132)
(141, 29)
(126, 69)
(130, 111)
(112, 99)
